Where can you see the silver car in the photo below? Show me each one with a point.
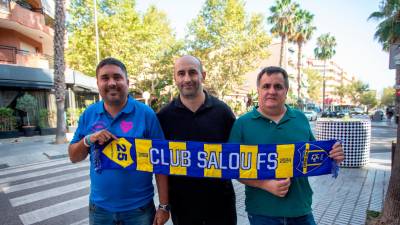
(311, 115)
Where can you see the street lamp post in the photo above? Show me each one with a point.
(96, 31)
(323, 88)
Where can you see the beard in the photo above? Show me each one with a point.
(114, 96)
(190, 91)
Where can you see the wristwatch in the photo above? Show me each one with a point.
(165, 207)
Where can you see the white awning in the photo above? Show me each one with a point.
(48, 7)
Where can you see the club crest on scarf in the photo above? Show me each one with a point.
(119, 151)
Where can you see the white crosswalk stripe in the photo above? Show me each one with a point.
(82, 222)
(17, 169)
(25, 199)
(45, 200)
(40, 196)
(53, 210)
(45, 181)
(41, 173)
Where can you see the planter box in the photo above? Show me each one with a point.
(355, 135)
(9, 134)
(47, 131)
(29, 131)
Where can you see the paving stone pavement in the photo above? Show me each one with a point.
(344, 200)
(341, 201)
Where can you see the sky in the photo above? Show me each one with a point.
(356, 52)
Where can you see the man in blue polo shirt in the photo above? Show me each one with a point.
(283, 201)
(118, 196)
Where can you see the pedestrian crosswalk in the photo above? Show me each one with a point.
(53, 192)
(48, 193)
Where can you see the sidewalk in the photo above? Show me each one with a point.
(384, 123)
(336, 201)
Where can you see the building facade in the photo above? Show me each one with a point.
(26, 61)
(335, 76)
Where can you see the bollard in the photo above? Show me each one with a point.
(393, 151)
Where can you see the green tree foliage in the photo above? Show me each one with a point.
(27, 104)
(145, 42)
(368, 99)
(356, 90)
(314, 84)
(283, 22)
(388, 30)
(387, 98)
(341, 91)
(303, 31)
(228, 41)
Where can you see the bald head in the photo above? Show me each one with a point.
(189, 59)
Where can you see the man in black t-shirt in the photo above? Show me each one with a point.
(197, 116)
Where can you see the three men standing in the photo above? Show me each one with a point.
(126, 197)
(197, 116)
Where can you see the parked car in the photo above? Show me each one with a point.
(342, 113)
(329, 114)
(311, 115)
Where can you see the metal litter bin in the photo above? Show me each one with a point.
(355, 135)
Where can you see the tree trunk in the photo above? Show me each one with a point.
(59, 68)
(299, 44)
(391, 207)
(283, 40)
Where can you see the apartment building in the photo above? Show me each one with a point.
(335, 76)
(290, 65)
(26, 59)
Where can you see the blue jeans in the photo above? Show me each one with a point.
(272, 220)
(140, 216)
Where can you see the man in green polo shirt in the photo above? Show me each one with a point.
(282, 201)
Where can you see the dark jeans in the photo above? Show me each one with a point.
(140, 216)
(271, 220)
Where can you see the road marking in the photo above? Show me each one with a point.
(42, 172)
(45, 181)
(82, 222)
(54, 210)
(25, 199)
(11, 170)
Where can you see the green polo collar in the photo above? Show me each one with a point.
(288, 114)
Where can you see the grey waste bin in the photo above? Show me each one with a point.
(355, 135)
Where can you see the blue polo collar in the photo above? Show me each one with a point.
(128, 108)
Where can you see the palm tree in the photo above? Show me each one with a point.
(388, 34)
(59, 68)
(303, 32)
(282, 19)
(325, 50)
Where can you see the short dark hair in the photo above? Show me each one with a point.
(271, 70)
(111, 61)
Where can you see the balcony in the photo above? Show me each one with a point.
(28, 16)
(12, 55)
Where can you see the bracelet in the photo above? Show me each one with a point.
(86, 141)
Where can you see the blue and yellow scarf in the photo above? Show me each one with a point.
(217, 160)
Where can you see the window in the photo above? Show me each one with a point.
(4, 6)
